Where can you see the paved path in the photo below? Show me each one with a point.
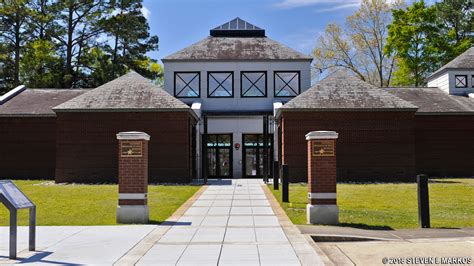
(231, 223)
(74, 245)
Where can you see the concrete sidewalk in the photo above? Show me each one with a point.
(74, 245)
(231, 223)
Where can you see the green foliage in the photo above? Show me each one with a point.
(456, 23)
(424, 38)
(13, 35)
(40, 65)
(128, 30)
(68, 43)
(77, 204)
(360, 205)
(413, 37)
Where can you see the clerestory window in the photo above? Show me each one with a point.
(286, 83)
(460, 81)
(220, 84)
(253, 84)
(187, 84)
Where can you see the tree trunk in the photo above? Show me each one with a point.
(70, 29)
(16, 78)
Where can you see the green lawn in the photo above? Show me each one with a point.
(392, 205)
(92, 204)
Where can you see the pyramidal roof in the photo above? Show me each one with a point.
(130, 92)
(343, 92)
(237, 40)
(464, 61)
(237, 28)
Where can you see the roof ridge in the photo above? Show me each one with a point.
(342, 91)
(468, 53)
(131, 91)
(237, 48)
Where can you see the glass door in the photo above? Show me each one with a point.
(219, 155)
(253, 154)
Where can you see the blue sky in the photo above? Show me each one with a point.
(296, 23)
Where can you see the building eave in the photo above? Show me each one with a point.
(443, 71)
(27, 115)
(124, 110)
(325, 110)
(237, 60)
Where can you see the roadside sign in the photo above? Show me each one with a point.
(14, 195)
(14, 199)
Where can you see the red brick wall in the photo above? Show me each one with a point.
(133, 174)
(322, 174)
(27, 147)
(87, 145)
(445, 145)
(371, 145)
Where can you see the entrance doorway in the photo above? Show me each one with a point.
(219, 155)
(253, 151)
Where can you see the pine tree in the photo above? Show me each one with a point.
(77, 30)
(130, 40)
(14, 34)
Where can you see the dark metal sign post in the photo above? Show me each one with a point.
(285, 186)
(12, 197)
(276, 174)
(423, 201)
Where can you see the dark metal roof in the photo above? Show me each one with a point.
(341, 91)
(37, 102)
(130, 92)
(239, 48)
(433, 100)
(464, 61)
(237, 28)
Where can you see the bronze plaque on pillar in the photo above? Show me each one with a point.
(131, 149)
(323, 147)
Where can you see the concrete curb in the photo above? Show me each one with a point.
(307, 251)
(142, 247)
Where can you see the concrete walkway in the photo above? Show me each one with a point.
(74, 245)
(231, 223)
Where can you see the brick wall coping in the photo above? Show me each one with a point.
(322, 135)
(133, 135)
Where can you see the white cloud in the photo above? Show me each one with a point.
(288, 4)
(337, 7)
(146, 12)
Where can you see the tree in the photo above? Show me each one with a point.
(41, 67)
(70, 43)
(414, 37)
(359, 46)
(13, 14)
(129, 31)
(456, 21)
(76, 29)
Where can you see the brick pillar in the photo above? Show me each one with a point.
(322, 175)
(133, 177)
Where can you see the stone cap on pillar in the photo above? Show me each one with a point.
(133, 135)
(322, 135)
